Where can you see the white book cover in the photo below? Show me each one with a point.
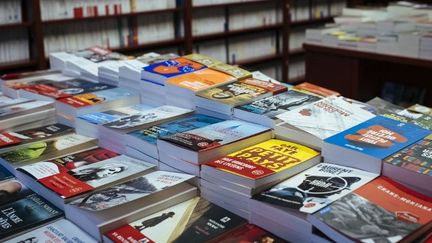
(326, 117)
(131, 190)
(147, 117)
(61, 231)
(6, 101)
(17, 108)
(315, 188)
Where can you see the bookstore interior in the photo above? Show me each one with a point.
(224, 121)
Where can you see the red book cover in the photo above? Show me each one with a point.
(127, 234)
(65, 185)
(7, 139)
(73, 101)
(272, 87)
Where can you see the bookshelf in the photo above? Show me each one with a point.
(183, 40)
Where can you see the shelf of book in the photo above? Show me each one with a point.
(232, 4)
(15, 25)
(103, 17)
(232, 33)
(146, 46)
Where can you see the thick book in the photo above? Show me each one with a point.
(315, 188)
(42, 150)
(26, 213)
(206, 143)
(224, 98)
(160, 72)
(365, 145)
(86, 178)
(312, 123)
(380, 211)
(263, 163)
(265, 110)
(14, 138)
(139, 188)
(145, 139)
(412, 165)
(60, 231)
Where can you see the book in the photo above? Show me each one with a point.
(169, 221)
(264, 111)
(315, 89)
(315, 188)
(238, 73)
(203, 59)
(61, 231)
(412, 165)
(25, 213)
(224, 98)
(41, 150)
(27, 107)
(263, 163)
(212, 141)
(250, 233)
(160, 72)
(86, 178)
(145, 139)
(312, 123)
(14, 138)
(381, 210)
(365, 145)
(208, 222)
(7, 101)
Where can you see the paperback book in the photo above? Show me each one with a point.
(381, 210)
(114, 114)
(315, 188)
(236, 72)
(203, 59)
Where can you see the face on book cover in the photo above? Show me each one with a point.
(90, 174)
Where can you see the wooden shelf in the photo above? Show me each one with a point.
(15, 25)
(297, 80)
(149, 45)
(232, 33)
(259, 60)
(102, 17)
(369, 55)
(17, 64)
(232, 4)
(312, 21)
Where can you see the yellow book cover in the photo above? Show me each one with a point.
(203, 59)
(200, 80)
(264, 159)
(234, 71)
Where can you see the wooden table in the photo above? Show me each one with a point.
(361, 75)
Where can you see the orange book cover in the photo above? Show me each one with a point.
(315, 89)
(201, 79)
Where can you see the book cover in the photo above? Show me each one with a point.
(6, 101)
(86, 178)
(215, 135)
(34, 134)
(417, 157)
(19, 108)
(315, 89)
(114, 114)
(12, 190)
(203, 59)
(148, 229)
(414, 108)
(60, 231)
(174, 67)
(5, 174)
(200, 80)
(146, 117)
(131, 190)
(316, 187)
(156, 59)
(325, 117)
(43, 149)
(26, 213)
(250, 233)
(236, 72)
(379, 137)
(88, 99)
(194, 121)
(208, 222)
(63, 89)
(380, 211)
(264, 159)
(63, 164)
(240, 92)
(274, 105)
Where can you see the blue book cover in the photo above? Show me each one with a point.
(174, 67)
(113, 115)
(215, 135)
(151, 134)
(379, 137)
(99, 97)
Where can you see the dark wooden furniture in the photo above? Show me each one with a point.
(361, 75)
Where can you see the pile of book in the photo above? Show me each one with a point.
(209, 152)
